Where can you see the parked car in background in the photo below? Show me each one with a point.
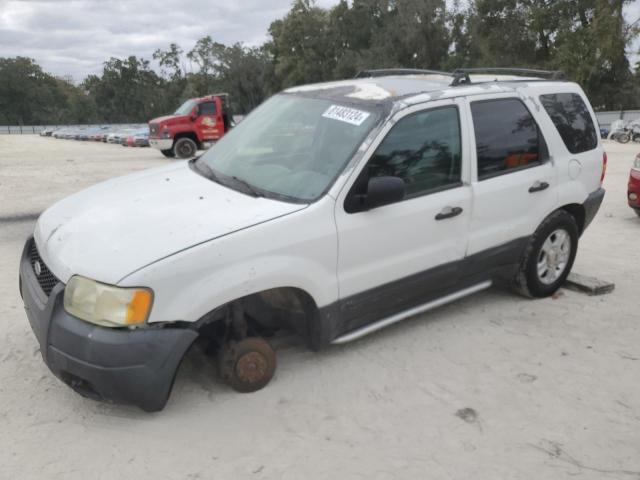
(633, 190)
(59, 133)
(138, 139)
(196, 125)
(47, 132)
(141, 139)
(113, 137)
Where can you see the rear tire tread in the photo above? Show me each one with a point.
(524, 281)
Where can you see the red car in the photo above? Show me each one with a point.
(633, 191)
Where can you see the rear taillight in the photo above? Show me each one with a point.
(604, 166)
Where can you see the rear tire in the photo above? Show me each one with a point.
(185, 148)
(549, 256)
(168, 153)
(637, 211)
(623, 138)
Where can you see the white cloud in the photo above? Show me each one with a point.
(74, 37)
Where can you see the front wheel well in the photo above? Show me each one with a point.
(283, 308)
(577, 211)
(190, 135)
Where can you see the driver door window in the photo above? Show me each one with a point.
(423, 149)
(208, 108)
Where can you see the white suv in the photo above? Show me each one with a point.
(332, 210)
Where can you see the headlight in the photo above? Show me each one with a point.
(107, 305)
(636, 163)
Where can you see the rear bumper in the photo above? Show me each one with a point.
(633, 189)
(116, 365)
(161, 143)
(592, 205)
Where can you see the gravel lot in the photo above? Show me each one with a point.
(492, 387)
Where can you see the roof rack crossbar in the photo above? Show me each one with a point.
(461, 75)
(399, 71)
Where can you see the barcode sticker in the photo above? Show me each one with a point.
(346, 114)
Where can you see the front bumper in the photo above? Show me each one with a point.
(633, 189)
(161, 143)
(116, 365)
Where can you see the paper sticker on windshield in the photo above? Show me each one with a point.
(346, 114)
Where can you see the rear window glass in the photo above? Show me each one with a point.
(571, 117)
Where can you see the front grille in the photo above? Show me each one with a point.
(46, 279)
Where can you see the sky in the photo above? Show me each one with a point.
(74, 37)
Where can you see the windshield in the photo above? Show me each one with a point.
(291, 147)
(186, 107)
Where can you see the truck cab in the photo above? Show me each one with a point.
(196, 125)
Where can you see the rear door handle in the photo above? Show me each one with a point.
(448, 212)
(538, 186)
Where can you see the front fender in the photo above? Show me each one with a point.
(297, 250)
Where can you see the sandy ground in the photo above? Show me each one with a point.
(493, 387)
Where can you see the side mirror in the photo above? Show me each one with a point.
(194, 114)
(380, 191)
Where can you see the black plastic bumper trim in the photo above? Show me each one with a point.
(115, 365)
(592, 205)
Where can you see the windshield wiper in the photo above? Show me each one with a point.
(206, 170)
(248, 187)
(210, 173)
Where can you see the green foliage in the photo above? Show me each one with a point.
(128, 90)
(29, 96)
(585, 38)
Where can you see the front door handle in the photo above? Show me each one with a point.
(448, 212)
(538, 186)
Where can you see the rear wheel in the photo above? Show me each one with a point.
(623, 137)
(168, 153)
(637, 211)
(247, 365)
(549, 256)
(185, 148)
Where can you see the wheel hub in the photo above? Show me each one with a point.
(554, 256)
(251, 367)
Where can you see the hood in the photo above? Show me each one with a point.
(168, 119)
(116, 227)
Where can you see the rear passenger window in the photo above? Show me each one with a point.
(423, 149)
(507, 137)
(571, 117)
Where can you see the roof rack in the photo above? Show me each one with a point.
(461, 75)
(399, 71)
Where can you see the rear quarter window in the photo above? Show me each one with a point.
(572, 119)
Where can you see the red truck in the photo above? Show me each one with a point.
(194, 126)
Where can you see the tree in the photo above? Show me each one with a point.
(585, 38)
(244, 73)
(30, 96)
(127, 91)
(301, 46)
